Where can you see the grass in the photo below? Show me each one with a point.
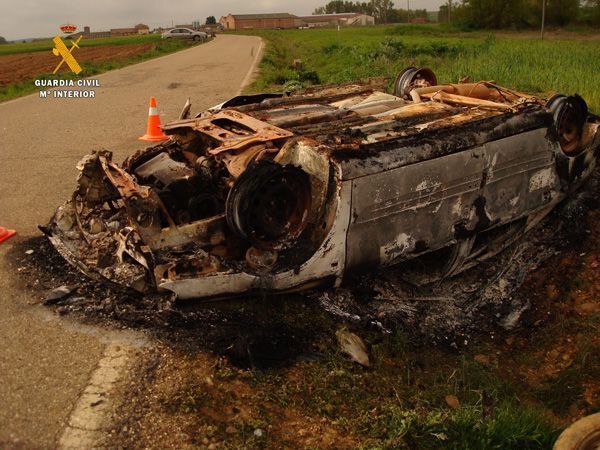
(47, 44)
(528, 63)
(400, 403)
(161, 47)
(467, 428)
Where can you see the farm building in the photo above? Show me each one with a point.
(122, 32)
(333, 20)
(142, 28)
(88, 34)
(138, 29)
(264, 21)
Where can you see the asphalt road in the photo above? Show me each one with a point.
(45, 361)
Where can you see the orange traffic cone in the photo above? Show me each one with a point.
(5, 234)
(153, 133)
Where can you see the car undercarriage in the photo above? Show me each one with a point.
(283, 192)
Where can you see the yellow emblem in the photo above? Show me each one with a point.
(61, 49)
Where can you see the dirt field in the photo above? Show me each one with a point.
(24, 66)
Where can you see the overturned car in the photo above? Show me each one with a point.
(282, 192)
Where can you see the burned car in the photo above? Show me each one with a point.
(282, 192)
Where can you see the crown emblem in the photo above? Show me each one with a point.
(68, 28)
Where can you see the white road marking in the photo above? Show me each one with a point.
(89, 418)
(253, 68)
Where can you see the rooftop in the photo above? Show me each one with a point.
(334, 15)
(264, 16)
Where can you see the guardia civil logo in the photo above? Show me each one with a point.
(66, 54)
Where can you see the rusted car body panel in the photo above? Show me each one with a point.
(282, 192)
(502, 181)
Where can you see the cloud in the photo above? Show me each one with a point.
(23, 19)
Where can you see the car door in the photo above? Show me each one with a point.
(402, 213)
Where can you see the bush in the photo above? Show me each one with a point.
(392, 48)
(331, 47)
(309, 76)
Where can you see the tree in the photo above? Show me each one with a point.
(590, 13)
(491, 13)
(397, 16)
(419, 13)
(513, 13)
(443, 14)
(341, 6)
(210, 20)
(400, 15)
(2, 40)
(562, 12)
(381, 9)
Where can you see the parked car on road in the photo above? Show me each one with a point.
(185, 33)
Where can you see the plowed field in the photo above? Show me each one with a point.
(24, 66)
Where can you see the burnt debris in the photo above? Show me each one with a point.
(283, 192)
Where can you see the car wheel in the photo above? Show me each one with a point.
(196, 38)
(582, 435)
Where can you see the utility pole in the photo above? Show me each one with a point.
(407, 11)
(449, 8)
(543, 18)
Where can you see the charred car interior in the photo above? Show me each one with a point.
(281, 192)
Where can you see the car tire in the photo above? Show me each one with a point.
(196, 38)
(582, 435)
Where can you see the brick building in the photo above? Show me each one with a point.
(264, 21)
(86, 33)
(334, 20)
(140, 28)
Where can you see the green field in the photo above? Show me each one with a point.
(519, 61)
(47, 44)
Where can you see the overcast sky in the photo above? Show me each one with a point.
(21, 19)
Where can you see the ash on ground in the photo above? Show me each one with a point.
(487, 298)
